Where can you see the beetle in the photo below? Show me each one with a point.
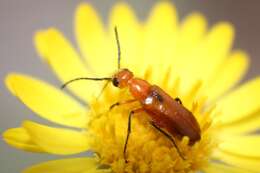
(167, 114)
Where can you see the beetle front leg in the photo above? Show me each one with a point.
(122, 103)
(129, 128)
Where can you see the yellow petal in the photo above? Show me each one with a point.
(160, 39)
(190, 35)
(243, 126)
(228, 74)
(130, 36)
(65, 62)
(74, 165)
(20, 139)
(93, 42)
(222, 168)
(241, 103)
(248, 163)
(47, 101)
(57, 140)
(206, 58)
(247, 146)
(192, 30)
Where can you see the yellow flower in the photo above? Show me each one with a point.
(186, 59)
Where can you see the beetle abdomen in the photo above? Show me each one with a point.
(171, 115)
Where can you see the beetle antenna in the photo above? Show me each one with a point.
(118, 49)
(85, 78)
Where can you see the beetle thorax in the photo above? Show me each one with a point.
(139, 88)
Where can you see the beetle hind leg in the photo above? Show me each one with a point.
(169, 137)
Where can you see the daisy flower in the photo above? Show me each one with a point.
(187, 59)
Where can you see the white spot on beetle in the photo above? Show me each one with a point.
(148, 100)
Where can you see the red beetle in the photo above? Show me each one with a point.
(168, 115)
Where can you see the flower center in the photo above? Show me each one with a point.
(148, 150)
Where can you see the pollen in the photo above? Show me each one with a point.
(148, 150)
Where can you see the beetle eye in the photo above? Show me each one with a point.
(115, 82)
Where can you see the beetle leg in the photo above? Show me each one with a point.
(121, 103)
(178, 100)
(169, 137)
(129, 128)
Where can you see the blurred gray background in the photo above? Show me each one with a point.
(20, 19)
